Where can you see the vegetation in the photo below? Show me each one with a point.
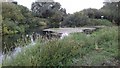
(101, 47)
(109, 11)
(51, 10)
(18, 19)
(79, 20)
(98, 48)
(76, 20)
(99, 22)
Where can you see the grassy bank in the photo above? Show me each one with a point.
(100, 48)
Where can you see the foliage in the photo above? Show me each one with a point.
(110, 11)
(55, 16)
(19, 19)
(77, 49)
(100, 48)
(93, 13)
(49, 10)
(46, 9)
(0, 18)
(76, 20)
(11, 11)
(99, 22)
(81, 19)
(9, 27)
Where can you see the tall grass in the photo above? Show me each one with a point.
(107, 53)
(76, 49)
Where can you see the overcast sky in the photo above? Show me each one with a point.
(70, 5)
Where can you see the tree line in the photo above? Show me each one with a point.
(19, 19)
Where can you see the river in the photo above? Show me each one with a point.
(14, 43)
(18, 49)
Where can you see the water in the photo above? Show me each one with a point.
(1, 57)
(10, 42)
(17, 50)
(16, 43)
(64, 35)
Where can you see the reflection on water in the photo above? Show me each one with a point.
(9, 42)
(17, 49)
(15, 43)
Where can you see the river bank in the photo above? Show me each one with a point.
(77, 47)
(64, 32)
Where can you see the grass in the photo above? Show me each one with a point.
(107, 51)
(100, 48)
(0, 65)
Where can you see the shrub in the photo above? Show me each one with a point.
(75, 20)
(76, 48)
(98, 22)
(107, 41)
(53, 53)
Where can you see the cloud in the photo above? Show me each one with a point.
(112, 0)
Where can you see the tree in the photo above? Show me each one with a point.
(10, 10)
(49, 10)
(93, 13)
(111, 11)
(76, 20)
(19, 19)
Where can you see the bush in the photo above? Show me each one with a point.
(79, 19)
(75, 20)
(10, 27)
(107, 52)
(78, 49)
(98, 22)
(53, 53)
